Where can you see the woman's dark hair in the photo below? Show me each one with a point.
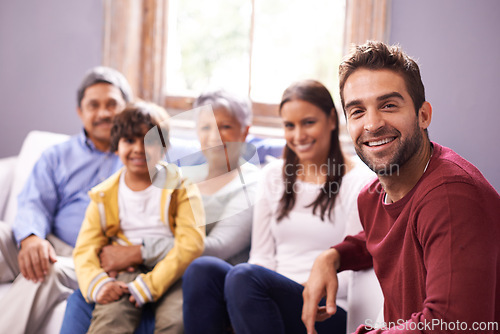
(136, 118)
(315, 93)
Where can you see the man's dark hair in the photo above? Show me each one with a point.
(377, 56)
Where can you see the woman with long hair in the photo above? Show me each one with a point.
(306, 203)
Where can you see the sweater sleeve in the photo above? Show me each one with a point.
(230, 235)
(187, 214)
(91, 277)
(459, 238)
(353, 253)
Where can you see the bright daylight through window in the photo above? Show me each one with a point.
(255, 48)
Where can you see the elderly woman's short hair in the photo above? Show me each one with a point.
(239, 107)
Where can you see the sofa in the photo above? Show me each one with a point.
(365, 298)
(13, 174)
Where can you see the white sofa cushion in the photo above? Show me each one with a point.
(35, 143)
(7, 168)
(18, 170)
(365, 300)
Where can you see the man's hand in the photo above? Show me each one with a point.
(34, 258)
(322, 282)
(110, 292)
(115, 258)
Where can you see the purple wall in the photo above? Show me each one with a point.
(45, 49)
(457, 45)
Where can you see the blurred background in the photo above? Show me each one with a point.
(255, 48)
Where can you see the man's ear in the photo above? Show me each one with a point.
(425, 115)
(79, 112)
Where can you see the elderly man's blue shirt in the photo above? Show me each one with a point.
(54, 198)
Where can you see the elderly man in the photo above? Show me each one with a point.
(52, 205)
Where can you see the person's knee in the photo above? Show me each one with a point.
(240, 273)
(206, 271)
(58, 280)
(198, 267)
(240, 278)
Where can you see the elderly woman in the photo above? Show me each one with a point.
(307, 202)
(227, 182)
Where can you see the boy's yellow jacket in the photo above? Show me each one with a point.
(102, 227)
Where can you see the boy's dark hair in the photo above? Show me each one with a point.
(136, 118)
(377, 56)
(103, 74)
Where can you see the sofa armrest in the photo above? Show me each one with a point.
(365, 300)
(7, 168)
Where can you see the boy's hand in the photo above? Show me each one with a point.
(110, 292)
(133, 301)
(34, 258)
(116, 258)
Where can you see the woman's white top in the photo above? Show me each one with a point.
(291, 245)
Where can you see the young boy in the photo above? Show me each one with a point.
(125, 209)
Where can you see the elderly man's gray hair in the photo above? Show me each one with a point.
(106, 75)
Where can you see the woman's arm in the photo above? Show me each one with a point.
(263, 249)
(230, 236)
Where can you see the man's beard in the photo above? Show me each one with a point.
(404, 152)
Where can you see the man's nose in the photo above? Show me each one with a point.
(104, 112)
(374, 121)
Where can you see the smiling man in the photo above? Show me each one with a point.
(431, 220)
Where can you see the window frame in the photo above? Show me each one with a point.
(135, 41)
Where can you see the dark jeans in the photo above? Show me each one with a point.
(79, 312)
(251, 298)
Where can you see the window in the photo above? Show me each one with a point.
(251, 47)
(171, 50)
